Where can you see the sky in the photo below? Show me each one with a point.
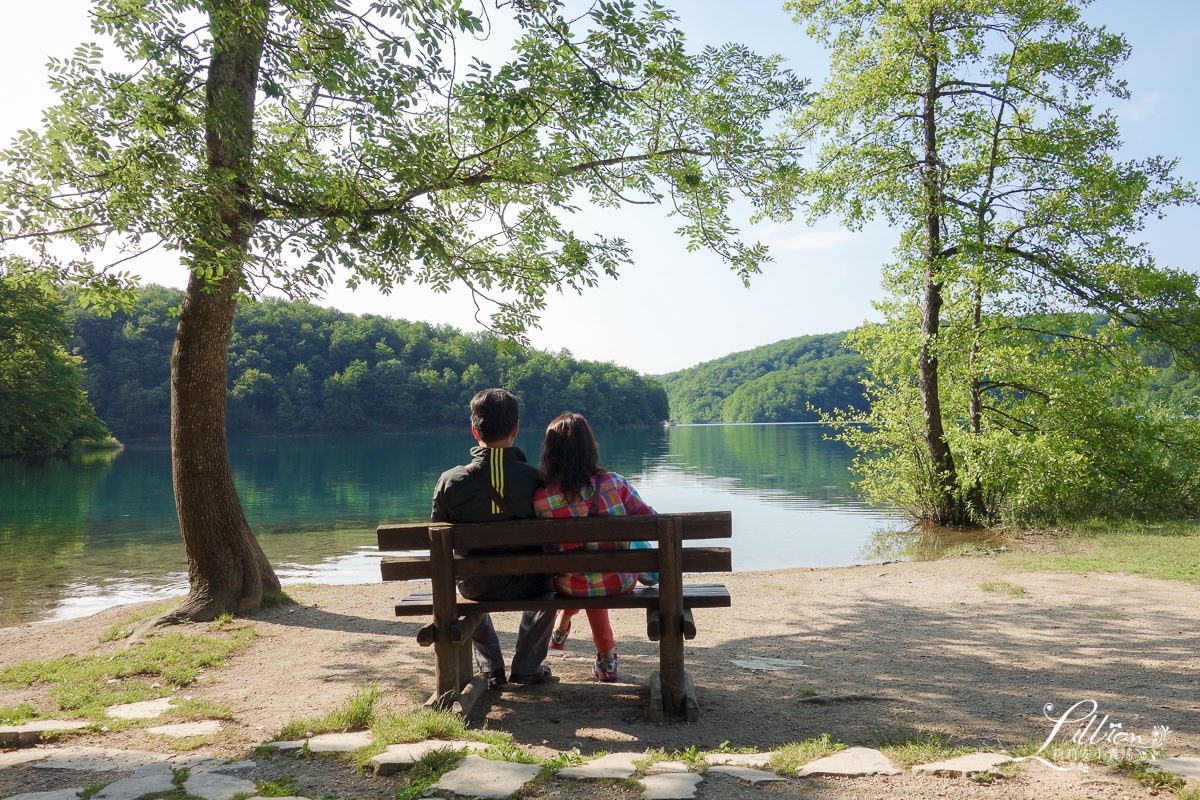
(672, 309)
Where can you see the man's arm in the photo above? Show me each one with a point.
(439, 512)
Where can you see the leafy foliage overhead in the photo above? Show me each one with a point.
(382, 144)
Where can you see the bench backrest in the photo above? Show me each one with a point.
(521, 535)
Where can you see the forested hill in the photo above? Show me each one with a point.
(773, 383)
(299, 368)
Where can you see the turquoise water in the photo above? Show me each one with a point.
(83, 534)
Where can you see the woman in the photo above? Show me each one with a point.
(576, 486)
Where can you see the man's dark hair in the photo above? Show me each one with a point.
(494, 414)
(569, 455)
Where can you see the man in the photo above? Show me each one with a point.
(498, 484)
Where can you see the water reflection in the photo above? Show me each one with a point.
(83, 534)
(924, 543)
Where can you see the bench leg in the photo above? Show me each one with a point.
(441, 559)
(670, 610)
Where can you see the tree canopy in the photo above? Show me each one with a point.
(43, 408)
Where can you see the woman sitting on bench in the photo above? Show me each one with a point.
(576, 486)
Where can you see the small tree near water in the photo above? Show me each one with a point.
(270, 143)
(973, 127)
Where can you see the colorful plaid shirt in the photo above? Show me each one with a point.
(616, 498)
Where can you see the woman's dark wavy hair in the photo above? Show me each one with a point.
(569, 455)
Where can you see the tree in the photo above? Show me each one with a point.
(270, 143)
(43, 408)
(972, 126)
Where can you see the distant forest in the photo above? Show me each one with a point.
(298, 368)
(787, 380)
(773, 383)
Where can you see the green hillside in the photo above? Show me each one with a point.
(298, 368)
(773, 383)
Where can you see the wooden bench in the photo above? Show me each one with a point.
(669, 605)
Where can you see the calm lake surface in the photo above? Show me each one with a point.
(83, 534)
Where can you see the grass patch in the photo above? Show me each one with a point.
(280, 787)
(123, 629)
(277, 599)
(426, 772)
(808, 691)
(15, 715)
(94, 789)
(1011, 589)
(189, 710)
(1168, 550)
(907, 747)
(80, 684)
(184, 744)
(420, 725)
(355, 714)
(797, 754)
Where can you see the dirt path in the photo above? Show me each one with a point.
(943, 655)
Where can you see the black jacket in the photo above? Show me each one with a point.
(460, 496)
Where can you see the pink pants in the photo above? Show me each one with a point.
(602, 634)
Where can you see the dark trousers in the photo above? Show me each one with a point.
(533, 636)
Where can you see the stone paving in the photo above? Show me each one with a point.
(152, 773)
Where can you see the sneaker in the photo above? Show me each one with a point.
(541, 675)
(558, 639)
(496, 679)
(605, 668)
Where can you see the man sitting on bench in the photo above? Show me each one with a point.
(498, 484)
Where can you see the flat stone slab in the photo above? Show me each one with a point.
(33, 732)
(205, 727)
(146, 709)
(399, 756)
(223, 766)
(215, 786)
(144, 780)
(961, 766)
(97, 759)
(615, 766)
(479, 777)
(769, 664)
(671, 786)
(748, 774)
(339, 742)
(59, 794)
(21, 757)
(739, 759)
(286, 746)
(1183, 767)
(853, 762)
(661, 767)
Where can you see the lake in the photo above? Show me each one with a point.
(82, 534)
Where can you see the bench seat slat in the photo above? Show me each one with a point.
(524, 532)
(695, 559)
(711, 595)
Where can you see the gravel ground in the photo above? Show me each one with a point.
(940, 653)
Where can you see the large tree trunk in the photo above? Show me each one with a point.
(226, 567)
(948, 507)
